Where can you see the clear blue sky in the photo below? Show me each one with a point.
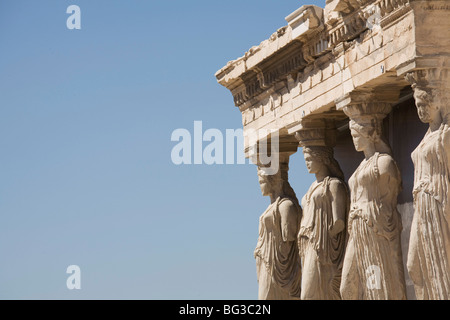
(86, 176)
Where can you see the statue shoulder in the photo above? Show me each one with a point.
(337, 185)
(446, 136)
(287, 205)
(334, 181)
(446, 141)
(387, 165)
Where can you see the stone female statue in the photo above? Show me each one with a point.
(373, 267)
(276, 254)
(429, 247)
(322, 233)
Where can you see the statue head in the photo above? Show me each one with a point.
(426, 108)
(318, 158)
(272, 183)
(367, 132)
(431, 94)
(277, 184)
(366, 125)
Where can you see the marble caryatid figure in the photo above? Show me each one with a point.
(429, 247)
(322, 235)
(373, 267)
(276, 254)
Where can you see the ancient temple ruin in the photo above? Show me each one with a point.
(365, 84)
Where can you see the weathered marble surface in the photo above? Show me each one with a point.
(373, 267)
(320, 66)
(322, 235)
(429, 249)
(276, 253)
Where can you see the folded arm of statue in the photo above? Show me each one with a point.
(289, 220)
(390, 178)
(339, 206)
(446, 147)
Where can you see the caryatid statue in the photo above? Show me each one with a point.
(276, 254)
(322, 235)
(429, 246)
(373, 265)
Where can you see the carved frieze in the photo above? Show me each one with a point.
(266, 74)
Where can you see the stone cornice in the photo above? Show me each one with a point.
(275, 58)
(308, 35)
(352, 57)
